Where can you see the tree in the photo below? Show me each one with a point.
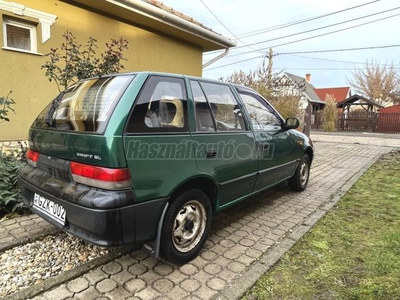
(77, 62)
(377, 82)
(330, 113)
(271, 86)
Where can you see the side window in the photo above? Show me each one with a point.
(262, 116)
(19, 35)
(225, 109)
(161, 107)
(204, 118)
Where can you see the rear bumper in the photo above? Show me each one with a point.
(102, 226)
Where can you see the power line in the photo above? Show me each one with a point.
(340, 50)
(308, 52)
(315, 29)
(245, 45)
(272, 28)
(331, 60)
(329, 69)
(276, 27)
(320, 35)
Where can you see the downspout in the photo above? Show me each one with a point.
(225, 53)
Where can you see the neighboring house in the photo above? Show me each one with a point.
(160, 39)
(339, 93)
(304, 88)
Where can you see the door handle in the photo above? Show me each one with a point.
(265, 146)
(211, 153)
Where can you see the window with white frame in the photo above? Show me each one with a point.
(19, 35)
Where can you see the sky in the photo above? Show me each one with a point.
(258, 21)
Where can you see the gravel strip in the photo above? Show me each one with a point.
(35, 262)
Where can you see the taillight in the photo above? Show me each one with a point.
(104, 178)
(32, 157)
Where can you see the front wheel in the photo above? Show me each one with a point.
(186, 226)
(300, 178)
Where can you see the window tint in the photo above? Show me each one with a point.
(224, 106)
(262, 116)
(85, 106)
(161, 107)
(19, 35)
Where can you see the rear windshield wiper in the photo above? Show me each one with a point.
(49, 116)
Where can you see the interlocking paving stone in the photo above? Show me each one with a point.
(241, 235)
(135, 285)
(60, 293)
(89, 294)
(112, 268)
(78, 285)
(106, 285)
(95, 276)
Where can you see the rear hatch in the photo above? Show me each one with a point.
(73, 126)
(69, 141)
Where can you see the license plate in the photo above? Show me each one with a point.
(49, 208)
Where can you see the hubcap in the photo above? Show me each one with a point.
(189, 226)
(304, 173)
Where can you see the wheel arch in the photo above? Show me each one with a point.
(309, 151)
(203, 183)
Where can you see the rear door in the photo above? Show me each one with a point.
(278, 150)
(223, 145)
(157, 140)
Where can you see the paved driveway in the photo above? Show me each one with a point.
(245, 241)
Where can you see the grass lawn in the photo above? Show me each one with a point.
(353, 252)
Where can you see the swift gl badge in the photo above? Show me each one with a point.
(90, 156)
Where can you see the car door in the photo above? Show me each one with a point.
(223, 145)
(157, 139)
(277, 150)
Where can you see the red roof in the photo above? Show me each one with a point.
(390, 109)
(340, 93)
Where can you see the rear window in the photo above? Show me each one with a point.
(85, 106)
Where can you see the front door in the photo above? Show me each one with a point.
(224, 148)
(277, 147)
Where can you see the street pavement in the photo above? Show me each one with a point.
(246, 239)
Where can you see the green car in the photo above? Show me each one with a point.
(150, 157)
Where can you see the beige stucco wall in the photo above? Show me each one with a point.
(21, 72)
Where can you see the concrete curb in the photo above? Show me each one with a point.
(27, 239)
(37, 289)
(240, 286)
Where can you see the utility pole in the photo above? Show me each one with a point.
(269, 69)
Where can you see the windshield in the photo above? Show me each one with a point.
(85, 106)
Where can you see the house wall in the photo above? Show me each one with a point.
(31, 90)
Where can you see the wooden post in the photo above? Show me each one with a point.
(307, 120)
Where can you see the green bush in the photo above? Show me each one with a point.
(5, 107)
(330, 114)
(10, 195)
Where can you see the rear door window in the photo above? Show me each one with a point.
(216, 105)
(161, 107)
(85, 106)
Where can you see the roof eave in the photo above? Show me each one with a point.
(150, 16)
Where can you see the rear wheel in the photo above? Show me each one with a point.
(186, 226)
(300, 178)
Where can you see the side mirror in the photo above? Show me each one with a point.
(292, 123)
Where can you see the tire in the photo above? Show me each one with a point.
(300, 178)
(186, 226)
